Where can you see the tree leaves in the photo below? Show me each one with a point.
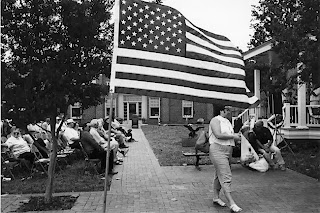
(53, 50)
(295, 28)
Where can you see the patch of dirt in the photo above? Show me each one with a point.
(57, 203)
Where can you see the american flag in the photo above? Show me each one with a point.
(159, 53)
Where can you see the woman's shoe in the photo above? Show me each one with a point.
(219, 202)
(118, 163)
(235, 208)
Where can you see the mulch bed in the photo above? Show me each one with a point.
(38, 204)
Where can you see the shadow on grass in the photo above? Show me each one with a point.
(71, 178)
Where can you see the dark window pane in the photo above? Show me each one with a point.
(187, 111)
(154, 111)
(76, 112)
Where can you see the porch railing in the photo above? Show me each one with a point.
(291, 117)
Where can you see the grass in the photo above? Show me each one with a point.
(166, 142)
(306, 158)
(71, 178)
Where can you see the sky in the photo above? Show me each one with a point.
(230, 18)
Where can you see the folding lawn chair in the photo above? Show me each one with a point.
(90, 162)
(39, 160)
(9, 162)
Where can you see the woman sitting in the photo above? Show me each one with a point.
(19, 147)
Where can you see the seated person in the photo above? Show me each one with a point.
(33, 139)
(71, 134)
(129, 134)
(19, 147)
(114, 146)
(95, 151)
(261, 140)
(119, 136)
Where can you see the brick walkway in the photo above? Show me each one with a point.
(143, 186)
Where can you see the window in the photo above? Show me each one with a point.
(76, 111)
(187, 109)
(154, 107)
(108, 104)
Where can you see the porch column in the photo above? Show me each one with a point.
(302, 106)
(257, 86)
(257, 83)
(120, 106)
(144, 110)
(286, 115)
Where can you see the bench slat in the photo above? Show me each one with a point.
(187, 154)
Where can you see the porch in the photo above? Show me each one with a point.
(301, 121)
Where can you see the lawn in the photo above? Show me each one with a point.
(70, 178)
(166, 142)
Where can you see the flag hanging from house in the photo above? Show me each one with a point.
(159, 53)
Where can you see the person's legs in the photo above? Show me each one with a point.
(29, 156)
(267, 156)
(121, 139)
(219, 156)
(278, 157)
(100, 155)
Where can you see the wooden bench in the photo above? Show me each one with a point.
(197, 155)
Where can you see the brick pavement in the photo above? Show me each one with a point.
(143, 186)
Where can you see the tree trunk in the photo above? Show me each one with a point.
(52, 164)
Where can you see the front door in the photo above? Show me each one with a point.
(132, 109)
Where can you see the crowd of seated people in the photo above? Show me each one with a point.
(91, 136)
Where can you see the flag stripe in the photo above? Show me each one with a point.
(181, 90)
(167, 67)
(173, 95)
(196, 52)
(179, 82)
(224, 45)
(197, 48)
(206, 44)
(185, 64)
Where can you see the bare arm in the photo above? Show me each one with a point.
(216, 129)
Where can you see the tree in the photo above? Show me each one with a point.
(51, 52)
(294, 27)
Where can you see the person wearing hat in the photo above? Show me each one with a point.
(71, 135)
(94, 131)
(261, 140)
(95, 151)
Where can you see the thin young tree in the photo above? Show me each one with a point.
(51, 53)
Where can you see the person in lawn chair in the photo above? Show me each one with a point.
(262, 142)
(19, 147)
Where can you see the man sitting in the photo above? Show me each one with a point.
(71, 134)
(94, 150)
(261, 140)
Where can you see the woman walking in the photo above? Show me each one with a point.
(222, 139)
